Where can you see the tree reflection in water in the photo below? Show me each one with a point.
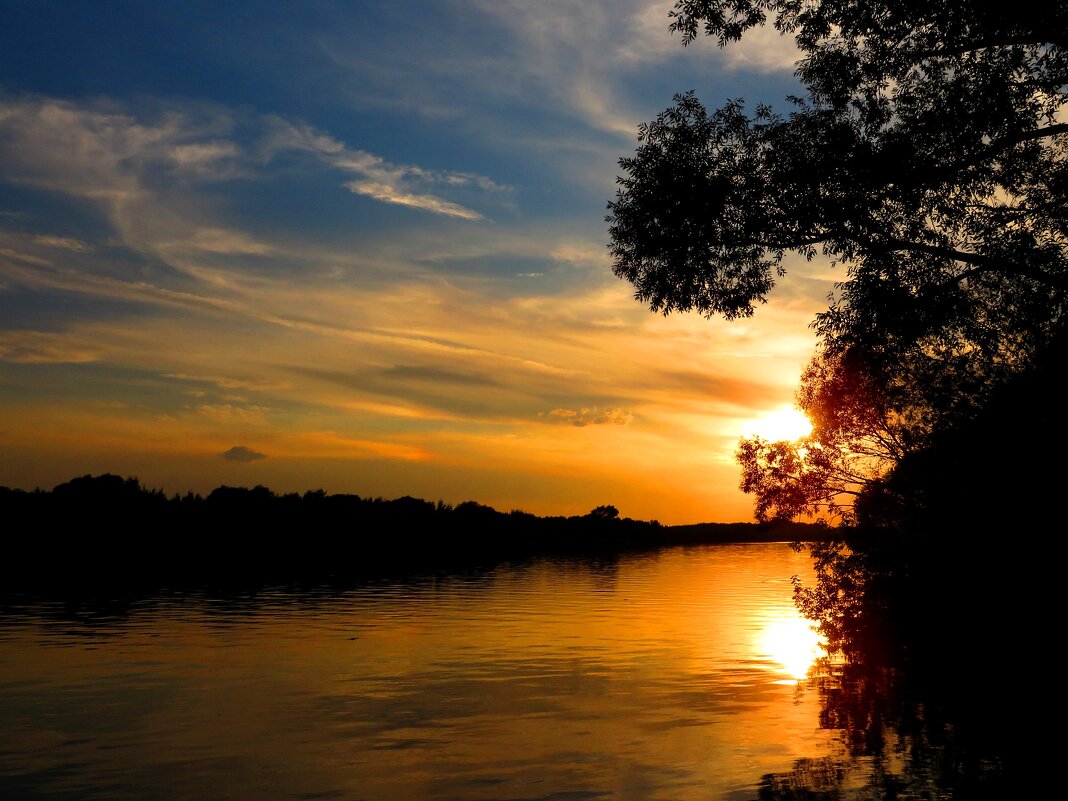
(926, 703)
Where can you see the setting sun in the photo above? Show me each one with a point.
(786, 423)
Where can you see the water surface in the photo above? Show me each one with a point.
(669, 675)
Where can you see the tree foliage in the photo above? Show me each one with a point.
(858, 434)
(927, 157)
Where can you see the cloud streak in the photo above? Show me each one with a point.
(590, 416)
(39, 347)
(390, 193)
(399, 184)
(119, 156)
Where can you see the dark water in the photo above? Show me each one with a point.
(661, 676)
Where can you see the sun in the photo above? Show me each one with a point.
(785, 423)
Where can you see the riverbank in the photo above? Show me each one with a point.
(109, 531)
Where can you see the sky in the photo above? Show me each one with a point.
(361, 246)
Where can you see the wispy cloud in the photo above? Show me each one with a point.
(120, 156)
(233, 413)
(589, 416)
(584, 55)
(62, 242)
(583, 254)
(228, 382)
(218, 240)
(400, 184)
(390, 193)
(39, 347)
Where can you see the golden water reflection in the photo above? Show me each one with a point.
(652, 676)
(792, 642)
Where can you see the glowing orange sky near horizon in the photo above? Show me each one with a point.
(471, 430)
(384, 275)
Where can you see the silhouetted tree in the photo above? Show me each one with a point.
(864, 422)
(604, 513)
(927, 156)
(109, 532)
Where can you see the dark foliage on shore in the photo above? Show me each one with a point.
(935, 692)
(995, 471)
(942, 601)
(106, 531)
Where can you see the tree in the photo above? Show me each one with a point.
(858, 435)
(607, 512)
(927, 157)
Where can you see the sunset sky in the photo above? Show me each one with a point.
(361, 246)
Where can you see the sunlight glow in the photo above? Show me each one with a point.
(786, 423)
(793, 643)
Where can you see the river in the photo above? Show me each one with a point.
(678, 674)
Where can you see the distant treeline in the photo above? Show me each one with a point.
(106, 529)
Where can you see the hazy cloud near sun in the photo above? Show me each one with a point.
(239, 453)
(589, 416)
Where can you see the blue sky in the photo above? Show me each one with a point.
(365, 243)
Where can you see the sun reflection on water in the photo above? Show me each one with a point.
(793, 643)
